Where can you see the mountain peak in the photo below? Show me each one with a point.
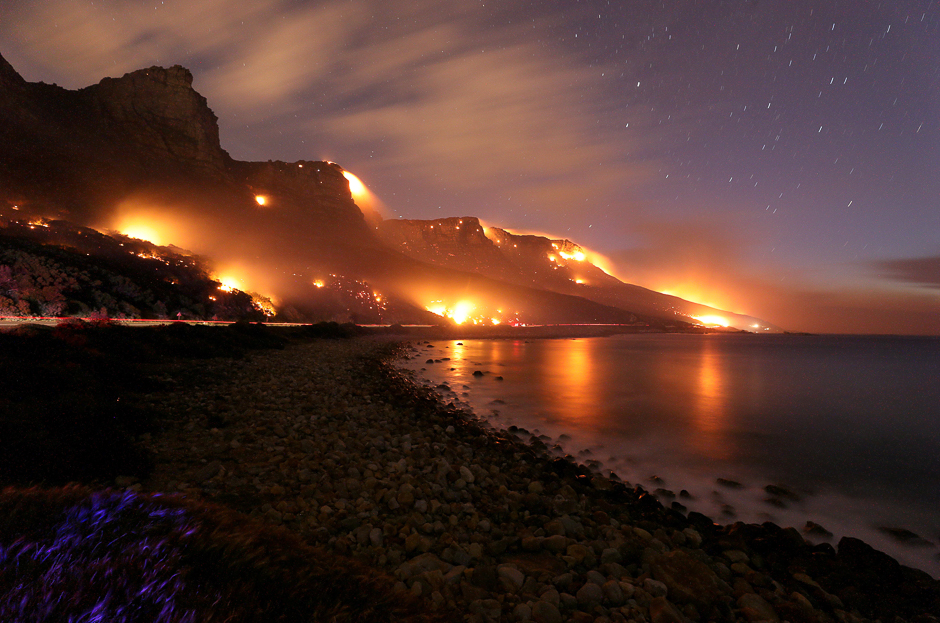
(160, 111)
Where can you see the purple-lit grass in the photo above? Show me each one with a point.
(71, 554)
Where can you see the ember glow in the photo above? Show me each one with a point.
(364, 198)
(464, 312)
(230, 283)
(356, 187)
(713, 321)
(261, 200)
(143, 231)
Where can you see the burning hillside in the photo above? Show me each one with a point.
(141, 155)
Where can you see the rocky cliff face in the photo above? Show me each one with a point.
(158, 112)
(556, 265)
(464, 244)
(314, 192)
(457, 242)
(80, 153)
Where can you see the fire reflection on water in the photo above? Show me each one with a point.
(571, 382)
(576, 385)
(710, 406)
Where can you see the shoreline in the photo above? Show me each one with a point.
(728, 492)
(329, 440)
(477, 521)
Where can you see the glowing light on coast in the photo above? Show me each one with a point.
(261, 200)
(713, 321)
(464, 312)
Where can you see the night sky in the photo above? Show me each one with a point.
(780, 159)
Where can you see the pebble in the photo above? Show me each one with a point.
(314, 443)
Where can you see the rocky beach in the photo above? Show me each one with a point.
(328, 440)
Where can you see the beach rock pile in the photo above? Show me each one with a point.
(328, 440)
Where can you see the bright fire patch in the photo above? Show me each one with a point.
(230, 283)
(464, 312)
(142, 232)
(713, 320)
(356, 187)
(261, 200)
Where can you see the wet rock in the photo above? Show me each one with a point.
(815, 530)
(688, 580)
(755, 608)
(545, 612)
(510, 578)
(661, 611)
(556, 544)
(522, 612)
(573, 527)
(613, 593)
(466, 474)
(490, 609)
(421, 564)
(590, 595)
(655, 587)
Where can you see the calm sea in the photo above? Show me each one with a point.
(850, 424)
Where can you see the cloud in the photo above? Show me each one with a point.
(923, 271)
(440, 91)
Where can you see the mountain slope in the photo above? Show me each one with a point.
(141, 154)
(557, 265)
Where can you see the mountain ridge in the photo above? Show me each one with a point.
(146, 145)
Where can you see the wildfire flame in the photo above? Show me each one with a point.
(142, 231)
(356, 187)
(463, 312)
(261, 200)
(229, 283)
(713, 320)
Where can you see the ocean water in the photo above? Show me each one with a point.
(851, 425)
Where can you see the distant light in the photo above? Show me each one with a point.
(261, 200)
(318, 283)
